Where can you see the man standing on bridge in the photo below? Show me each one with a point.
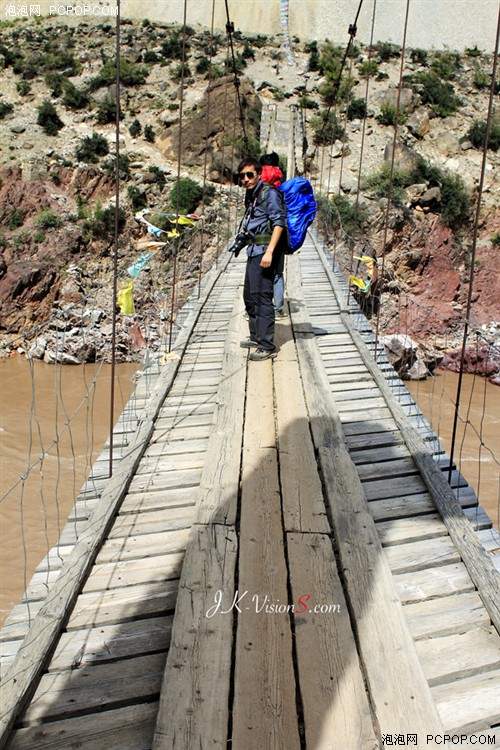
(264, 222)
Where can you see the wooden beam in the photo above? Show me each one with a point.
(40, 640)
(477, 561)
(395, 678)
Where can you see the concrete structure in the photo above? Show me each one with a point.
(439, 24)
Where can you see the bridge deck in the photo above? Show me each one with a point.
(256, 486)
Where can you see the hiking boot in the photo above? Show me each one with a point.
(248, 344)
(281, 314)
(260, 354)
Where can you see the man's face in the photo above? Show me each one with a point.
(249, 177)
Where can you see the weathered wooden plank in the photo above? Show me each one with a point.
(401, 467)
(460, 655)
(447, 615)
(433, 582)
(96, 687)
(132, 572)
(402, 530)
(397, 686)
(111, 642)
(167, 519)
(143, 546)
(194, 702)
(148, 501)
(129, 728)
(422, 554)
(218, 492)
(471, 704)
(123, 604)
(336, 710)
(163, 481)
(396, 487)
(264, 712)
(303, 504)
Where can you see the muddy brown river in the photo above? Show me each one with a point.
(36, 404)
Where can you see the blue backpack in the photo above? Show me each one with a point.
(300, 210)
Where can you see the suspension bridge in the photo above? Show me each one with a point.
(283, 557)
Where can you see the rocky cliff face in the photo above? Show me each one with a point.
(55, 238)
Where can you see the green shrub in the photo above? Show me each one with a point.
(54, 82)
(312, 49)
(5, 109)
(440, 96)
(171, 48)
(345, 214)
(131, 74)
(16, 218)
(307, 103)
(151, 57)
(380, 184)
(368, 68)
(387, 115)
(386, 50)
(160, 176)
(73, 97)
(203, 65)
(101, 224)
(124, 167)
(455, 201)
(48, 219)
(23, 88)
(356, 109)
(59, 59)
(473, 51)
(326, 128)
(106, 112)
(149, 134)
(92, 147)
(49, 119)
(137, 198)
(445, 65)
(180, 70)
(495, 240)
(477, 135)
(39, 237)
(135, 129)
(186, 195)
(419, 57)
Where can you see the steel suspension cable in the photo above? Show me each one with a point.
(179, 156)
(115, 259)
(230, 31)
(205, 161)
(391, 171)
(474, 243)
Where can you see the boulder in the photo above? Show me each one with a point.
(405, 160)
(418, 122)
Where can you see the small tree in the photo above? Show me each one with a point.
(49, 119)
(91, 148)
(149, 134)
(73, 97)
(135, 129)
(186, 195)
(106, 112)
(5, 109)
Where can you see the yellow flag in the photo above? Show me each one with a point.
(357, 282)
(125, 299)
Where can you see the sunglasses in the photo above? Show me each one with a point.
(249, 175)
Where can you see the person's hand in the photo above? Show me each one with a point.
(267, 259)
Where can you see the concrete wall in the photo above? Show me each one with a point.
(438, 24)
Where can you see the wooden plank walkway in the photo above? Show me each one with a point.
(275, 571)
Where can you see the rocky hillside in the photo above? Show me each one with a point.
(57, 149)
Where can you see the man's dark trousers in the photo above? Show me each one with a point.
(258, 298)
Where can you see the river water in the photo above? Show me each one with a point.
(36, 401)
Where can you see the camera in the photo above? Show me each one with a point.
(241, 239)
